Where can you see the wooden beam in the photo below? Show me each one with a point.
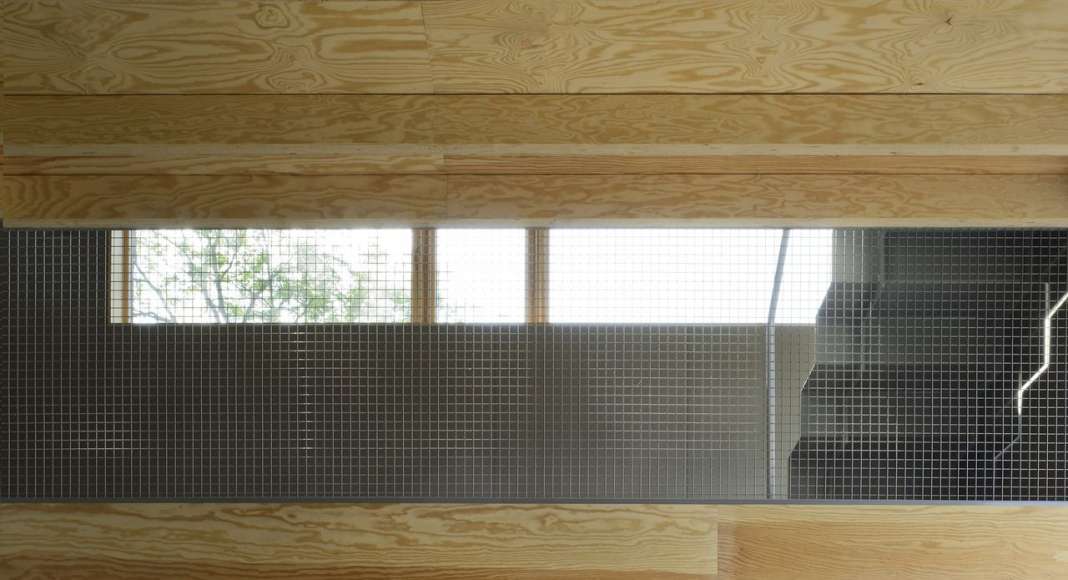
(902, 542)
(220, 120)
(535, 46)
(220, 201)
(538, 200)
(353, 540)
(754, 200)
(607, 542)
(540, 134)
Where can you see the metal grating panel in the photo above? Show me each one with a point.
(867, 365)
(923, 343)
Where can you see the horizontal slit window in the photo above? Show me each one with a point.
(262, 276)
(722, 276)
(474, 276)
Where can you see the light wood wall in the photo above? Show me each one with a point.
(535, 46)
(541, 112)
(532, 541)
(279, 111)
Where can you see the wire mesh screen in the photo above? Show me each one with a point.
(934, 374)
(481, 275)
(243, 276)
(678, 365)
(656, 276)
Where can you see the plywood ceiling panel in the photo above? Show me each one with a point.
(198, 46)
(746, 46)
(535, 46)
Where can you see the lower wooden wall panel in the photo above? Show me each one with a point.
(357, 541)
(446, 541)
(883, 542)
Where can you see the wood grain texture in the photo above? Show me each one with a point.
(693, 46)
(365, 541)
(443, 541)
(212, 201)
(536, 200)
(972, 542)
(199, 46)
(258, 160)
(754, 200)
(220, 120)
(542, 134)
(535, 46)
(750, 119)
(785, 161)
(540, 119)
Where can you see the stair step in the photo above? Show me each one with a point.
(893, 468)
(905, 399)
(854, 301)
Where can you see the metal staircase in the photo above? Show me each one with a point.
(913, 392)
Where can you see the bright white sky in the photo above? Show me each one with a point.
(722, 276)
(481, 275)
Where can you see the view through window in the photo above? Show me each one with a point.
(257, 276)
(611, 276)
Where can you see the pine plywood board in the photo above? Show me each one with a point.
(761, 200)
(606, 542)
(200, 46)
(535, 46)
(219, 201)
(537, 200)
(542, 134)
(748, 46)
(354, 540)
(892, 542)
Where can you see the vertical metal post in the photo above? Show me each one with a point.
(772, 451)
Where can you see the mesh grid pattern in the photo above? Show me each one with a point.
(481, 275)
(248, 276)
(923, 342)
(656, 276)
(888, 370)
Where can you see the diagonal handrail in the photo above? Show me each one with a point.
(1047, 333)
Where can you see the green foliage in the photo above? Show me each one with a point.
(241, 276)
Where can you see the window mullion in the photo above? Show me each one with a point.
(537, 275)
(424, 275)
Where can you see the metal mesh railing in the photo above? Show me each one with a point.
(642, 364)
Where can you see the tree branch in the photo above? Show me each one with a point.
(156, 291)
